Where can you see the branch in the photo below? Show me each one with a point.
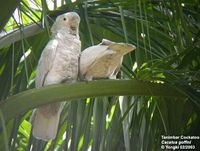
(29, 30)
(30, 99)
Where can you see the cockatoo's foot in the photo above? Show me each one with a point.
(68, 80)
(85, 78)
(88, 78)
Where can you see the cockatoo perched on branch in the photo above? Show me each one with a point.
(103, 60)
(58, 63)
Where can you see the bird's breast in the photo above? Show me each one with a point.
(65, 64)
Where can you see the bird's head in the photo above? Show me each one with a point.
(67, 23)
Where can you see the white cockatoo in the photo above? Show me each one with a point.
(103, 60)
(58, 63)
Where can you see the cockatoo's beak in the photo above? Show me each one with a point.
(74, 21)
(74, 29)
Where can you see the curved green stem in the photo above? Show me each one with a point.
(29, 99)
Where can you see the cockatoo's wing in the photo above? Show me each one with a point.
(103, 60)
(92, 55)
(45, 62)
(122, 48)
(43, 127)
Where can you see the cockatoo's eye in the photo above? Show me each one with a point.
(64, 19)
